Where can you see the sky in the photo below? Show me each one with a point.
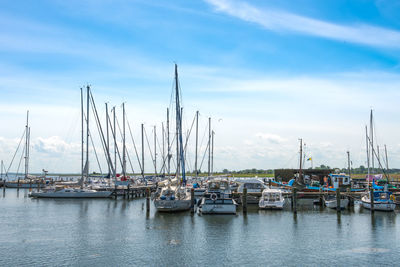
(267, 73)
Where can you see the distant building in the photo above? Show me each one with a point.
(284, 175)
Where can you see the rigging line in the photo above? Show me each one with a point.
(20, 160)
(380, 165)
(166, 156)
(115, 138)
(204, 155)
(126, 150)
(204, 135)
(16, 151)
(187, 138)
(148, 144)
(94, 148)
(108, 157)
(134, 145)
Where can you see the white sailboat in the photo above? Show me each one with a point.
(174, 196)
(81, 192)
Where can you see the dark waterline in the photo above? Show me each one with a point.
(50, 232)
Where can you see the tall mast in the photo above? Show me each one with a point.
(348, 163)
(123, 142)
(367, 146)
(371, 128)
(142, 151)
(180, 154)
(209, 146)
(168, 145)
(115, 144)
(163, 147)
(82, 137)
(26, 144)
(155, 151)
(178, 110)
(387, 162)
(212, 152)
(197, 141)
(87, 133)
(301, 157)
(108, 143)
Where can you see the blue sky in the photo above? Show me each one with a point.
(267, 72)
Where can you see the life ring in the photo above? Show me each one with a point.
(213, 196)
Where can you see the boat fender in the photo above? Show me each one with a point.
(213, 196)
(172, 197)
(162, 197)
(392, 197)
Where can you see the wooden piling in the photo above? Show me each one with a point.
(192, 200)
(128, 191)
(244, 200)
(321, 201)
(18, 185)
(294, 199)
(147, 200)
(371, 197)
(338, 208)
(351, 200)
(270, 183)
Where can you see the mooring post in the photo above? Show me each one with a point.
(371, 197)
(38, 185)
(351, 201)
(30, 185)
(338, 208)
(270, 183)
(321, 202)
(4, 187)
(128, 190)
(147, 200)
(244, 200)
(294, 199)
(192, 200)
(18, 185)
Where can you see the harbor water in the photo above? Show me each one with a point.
(108, 232)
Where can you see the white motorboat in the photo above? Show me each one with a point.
(218, 199)
(70, 193)
(271, 199)
(172, 199)
(252, 186)
(383, 200)
(331, 202)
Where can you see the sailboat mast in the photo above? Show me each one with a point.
(115, 145)
(142, 151)
(124, 144)
(371, 128)
(108, 142)
(82, 136)
(163, 148)
(168, 145)
(212, 152)
(197, 141)
(387, 163)
(301, 163)
(348, 163)
(367, 146)
(87, 133)
(26, 144)
(178, 110)
(155, 151)
(209, 146)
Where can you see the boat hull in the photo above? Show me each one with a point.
(98, 194)
(218, 206)
(379, 206)
(332, 204)
(172, 205)
(21, 185)
(268, 205)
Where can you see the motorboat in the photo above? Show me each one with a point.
(331, 201)
(218, 199)
(252, 186)
(271, 199)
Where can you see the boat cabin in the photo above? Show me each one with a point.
(338, 180)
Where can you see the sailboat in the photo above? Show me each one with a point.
(174, 196)
(80, 192)
(382, 199)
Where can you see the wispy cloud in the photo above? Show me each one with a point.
(277, 20)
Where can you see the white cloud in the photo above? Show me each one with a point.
(278, 20)
(271, 138)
